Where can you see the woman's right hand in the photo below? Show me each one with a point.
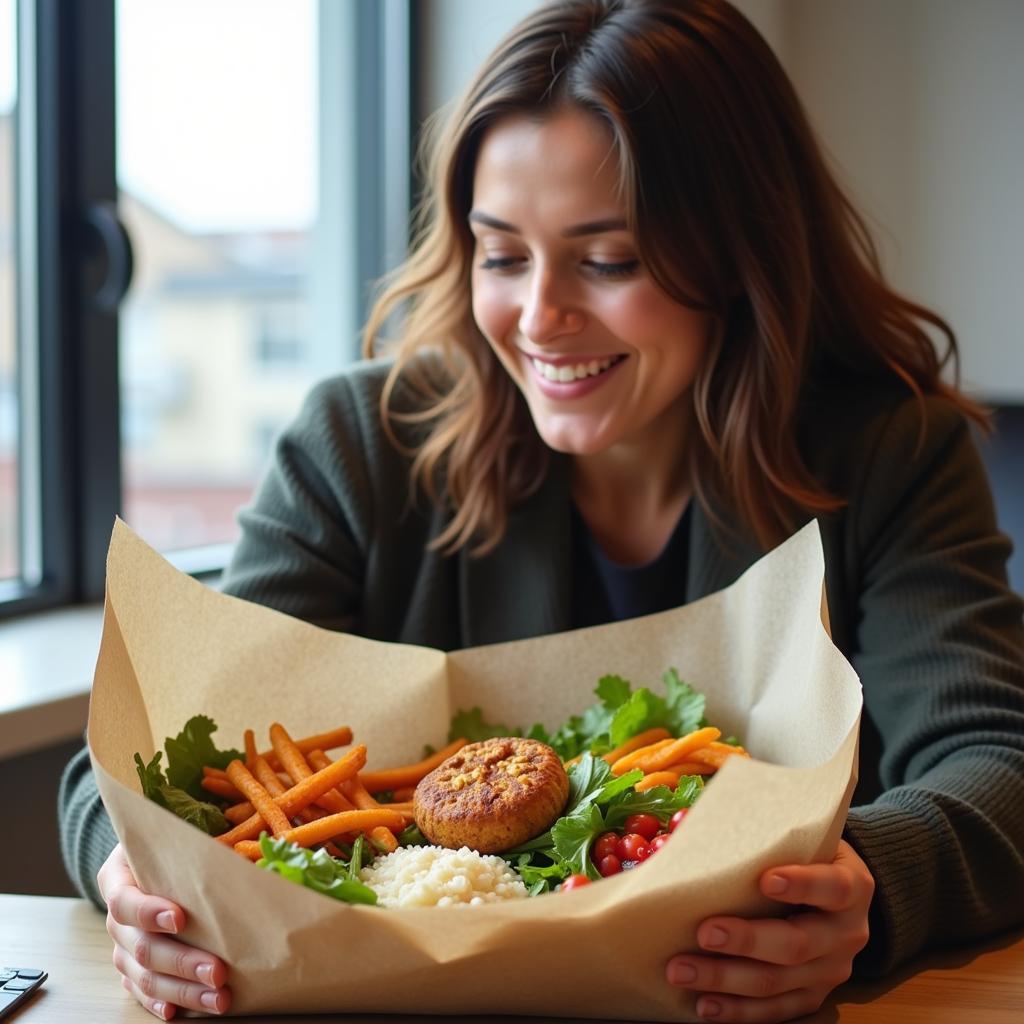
(160, 972)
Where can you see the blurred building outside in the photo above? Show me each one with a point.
(215, 357)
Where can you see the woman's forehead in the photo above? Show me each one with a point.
(569, 153)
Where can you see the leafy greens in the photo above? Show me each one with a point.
(598, 802)
(180, 791)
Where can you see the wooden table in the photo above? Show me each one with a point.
(67, 938)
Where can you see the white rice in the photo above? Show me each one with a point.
(429, 876)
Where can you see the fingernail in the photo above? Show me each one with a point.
(160, 1009)
(204, 972)
(682, 973)
(715, 937)
(210, 1000)
(709, 1008)
(165, 922)
(776, 885)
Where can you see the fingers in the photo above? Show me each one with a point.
(162, 955)
(162, 994)
(129, 905)
(161, 973)
(773, 941)
(844, 884)
(760, 1011)
(755, 978)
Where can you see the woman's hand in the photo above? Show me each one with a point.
(161, 973)
(777, 969)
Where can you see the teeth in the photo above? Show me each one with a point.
(567, 373)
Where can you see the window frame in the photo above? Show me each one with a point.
(69, 445)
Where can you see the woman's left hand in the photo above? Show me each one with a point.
(777, 969)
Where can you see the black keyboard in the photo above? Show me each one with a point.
(16, 985)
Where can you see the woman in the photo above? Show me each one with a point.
(645, 338)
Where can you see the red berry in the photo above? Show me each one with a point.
(603, 846)
(609, 865)
(659, 841)
(633, 846)
(676, 818)
(575, 882)
(646, 825)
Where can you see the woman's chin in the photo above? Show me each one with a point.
(575, 442)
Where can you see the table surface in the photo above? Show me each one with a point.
(67, 938)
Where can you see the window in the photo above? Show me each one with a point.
(217, 188)
(188, 229)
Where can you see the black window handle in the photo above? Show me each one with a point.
(102, 217)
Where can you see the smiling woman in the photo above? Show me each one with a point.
(603, 356)
(641, 338)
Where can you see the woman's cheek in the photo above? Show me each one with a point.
(493, 312)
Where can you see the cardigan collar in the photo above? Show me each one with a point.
(537, 552)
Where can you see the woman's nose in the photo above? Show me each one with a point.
(547, 313)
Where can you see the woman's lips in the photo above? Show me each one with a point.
(570, 378)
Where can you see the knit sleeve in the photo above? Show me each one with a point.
(941, 658)
(86, 834)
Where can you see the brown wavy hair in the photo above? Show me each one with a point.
(734, 211)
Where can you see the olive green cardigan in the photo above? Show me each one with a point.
(917, 596)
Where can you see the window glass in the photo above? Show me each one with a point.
(217, 112)
(9, 514)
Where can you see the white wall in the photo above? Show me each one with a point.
(920, 104)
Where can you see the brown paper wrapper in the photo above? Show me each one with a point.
(759, 650)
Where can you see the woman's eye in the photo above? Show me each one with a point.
(499, 262)
(627, 268)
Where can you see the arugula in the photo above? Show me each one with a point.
(316, 870)
(621, 713)
(203, 815)
(598, 802)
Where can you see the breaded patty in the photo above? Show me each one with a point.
(492, 795)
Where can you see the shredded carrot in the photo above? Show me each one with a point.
(714, 757)
(302, 794)
(385, 838)
(220, 787)
(641, 739)
(680, 749)
(258, 796)
(690, 768)
(347, 821)
(249, 848)
(340, 737)
(635, 758)
(250, 749)
(410, 774)
(657, 779)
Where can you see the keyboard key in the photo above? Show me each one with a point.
(29, 972)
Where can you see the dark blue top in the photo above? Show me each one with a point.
(604, 591)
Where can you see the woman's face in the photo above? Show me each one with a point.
(602, 355)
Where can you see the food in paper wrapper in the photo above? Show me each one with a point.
(759, 648)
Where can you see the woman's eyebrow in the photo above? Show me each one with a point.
(593, 227)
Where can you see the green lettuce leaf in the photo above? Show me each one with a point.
(572, 836)
(316, 870)
(472, 726)
(190, 750)
(203, 815)
(685, 705)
